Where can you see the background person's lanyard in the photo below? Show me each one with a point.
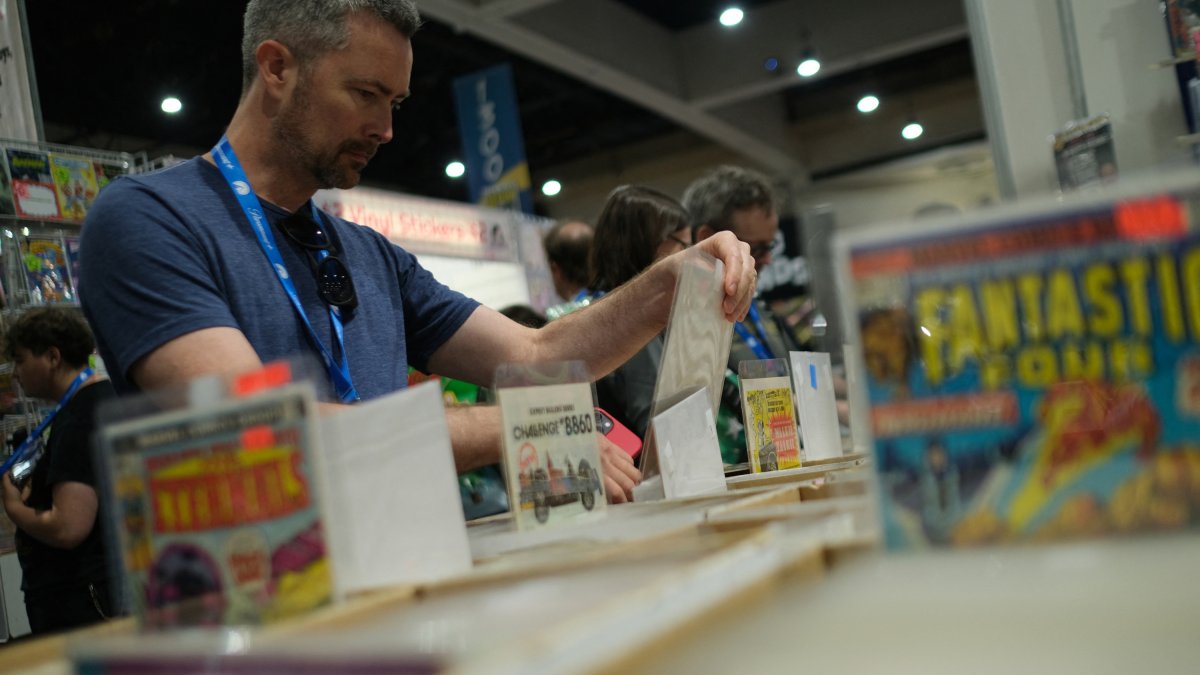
(30, 442)
(756, 345)
(231, 168)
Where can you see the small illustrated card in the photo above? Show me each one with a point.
(812, 377)
(551, 453)
(689, 455)
(770, 417)
(376, 475)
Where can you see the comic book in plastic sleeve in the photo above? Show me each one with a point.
(75, 183)
(33, 190)
(46, 271)
(772, 440)
(1034, 374)
(217, 511)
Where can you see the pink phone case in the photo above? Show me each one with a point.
(618, 433)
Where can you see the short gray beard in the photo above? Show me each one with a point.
(288, 130)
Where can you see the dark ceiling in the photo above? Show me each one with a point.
(101, 78)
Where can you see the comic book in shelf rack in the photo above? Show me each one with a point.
(218, 510)
(1033, 373)
(54, 183)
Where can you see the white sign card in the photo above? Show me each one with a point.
(689, 455)
(395, 510)
(812, 380)
(551, 453)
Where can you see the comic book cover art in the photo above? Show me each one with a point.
(46, 270)
(218, 512)
(1037, 379)
(772, 441)
(106, 172)
(7, 208)
(33, 190)
(75, 185)
(71, 248)
(1084, 154)
(551, 455)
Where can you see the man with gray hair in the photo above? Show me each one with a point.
(222, 263)
(741, 201)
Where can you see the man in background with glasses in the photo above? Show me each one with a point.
(223, 263)
(741, 201)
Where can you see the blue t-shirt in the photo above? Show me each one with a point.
(170, 253)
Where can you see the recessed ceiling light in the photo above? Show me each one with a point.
(808, 67)
(171, 105)
(868, 104)
(551, 188)
(455, 169)
(912, 131)
(732, 16)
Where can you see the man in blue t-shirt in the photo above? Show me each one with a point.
(222, 264)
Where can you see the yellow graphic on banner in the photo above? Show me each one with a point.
(505, 193)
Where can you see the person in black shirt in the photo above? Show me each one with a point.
(60, 543)
(637, 227)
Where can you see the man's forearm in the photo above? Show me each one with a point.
(611, 331)
(474, 435)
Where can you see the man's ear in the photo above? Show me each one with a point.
(277, 67)
(704, 232)
(53, 355)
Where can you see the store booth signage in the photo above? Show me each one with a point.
(493, 146)
(426, 225)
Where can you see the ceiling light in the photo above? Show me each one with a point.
(868, 104)
(551, 188)
(771, 64)
(732, 16)
(808, 67)
(455, 169)
(912, 131)
(171, 105)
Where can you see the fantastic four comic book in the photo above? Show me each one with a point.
(1035, 374)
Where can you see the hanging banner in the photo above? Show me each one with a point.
(494, 150)
(17, 118)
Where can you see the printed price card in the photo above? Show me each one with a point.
(551, 453)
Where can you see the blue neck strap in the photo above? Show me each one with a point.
(235, 176)
(27, 447)
(756, 343)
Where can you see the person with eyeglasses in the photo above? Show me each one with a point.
(637, 227)
(223, 262)
(739, 200)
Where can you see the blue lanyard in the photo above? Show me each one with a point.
(756, 345)
(27, 447)
(235, 175)
(582, 295)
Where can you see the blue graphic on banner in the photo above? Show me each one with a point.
(494, 149)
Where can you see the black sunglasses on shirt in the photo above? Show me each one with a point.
(334, 283)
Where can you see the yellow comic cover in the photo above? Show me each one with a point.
(771, 438)
(75, 183)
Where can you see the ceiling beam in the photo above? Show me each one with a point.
(615, 49)
(499, 9)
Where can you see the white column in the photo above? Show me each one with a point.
(18, 95)
(1033, 84)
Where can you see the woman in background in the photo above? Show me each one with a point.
(636, 227)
